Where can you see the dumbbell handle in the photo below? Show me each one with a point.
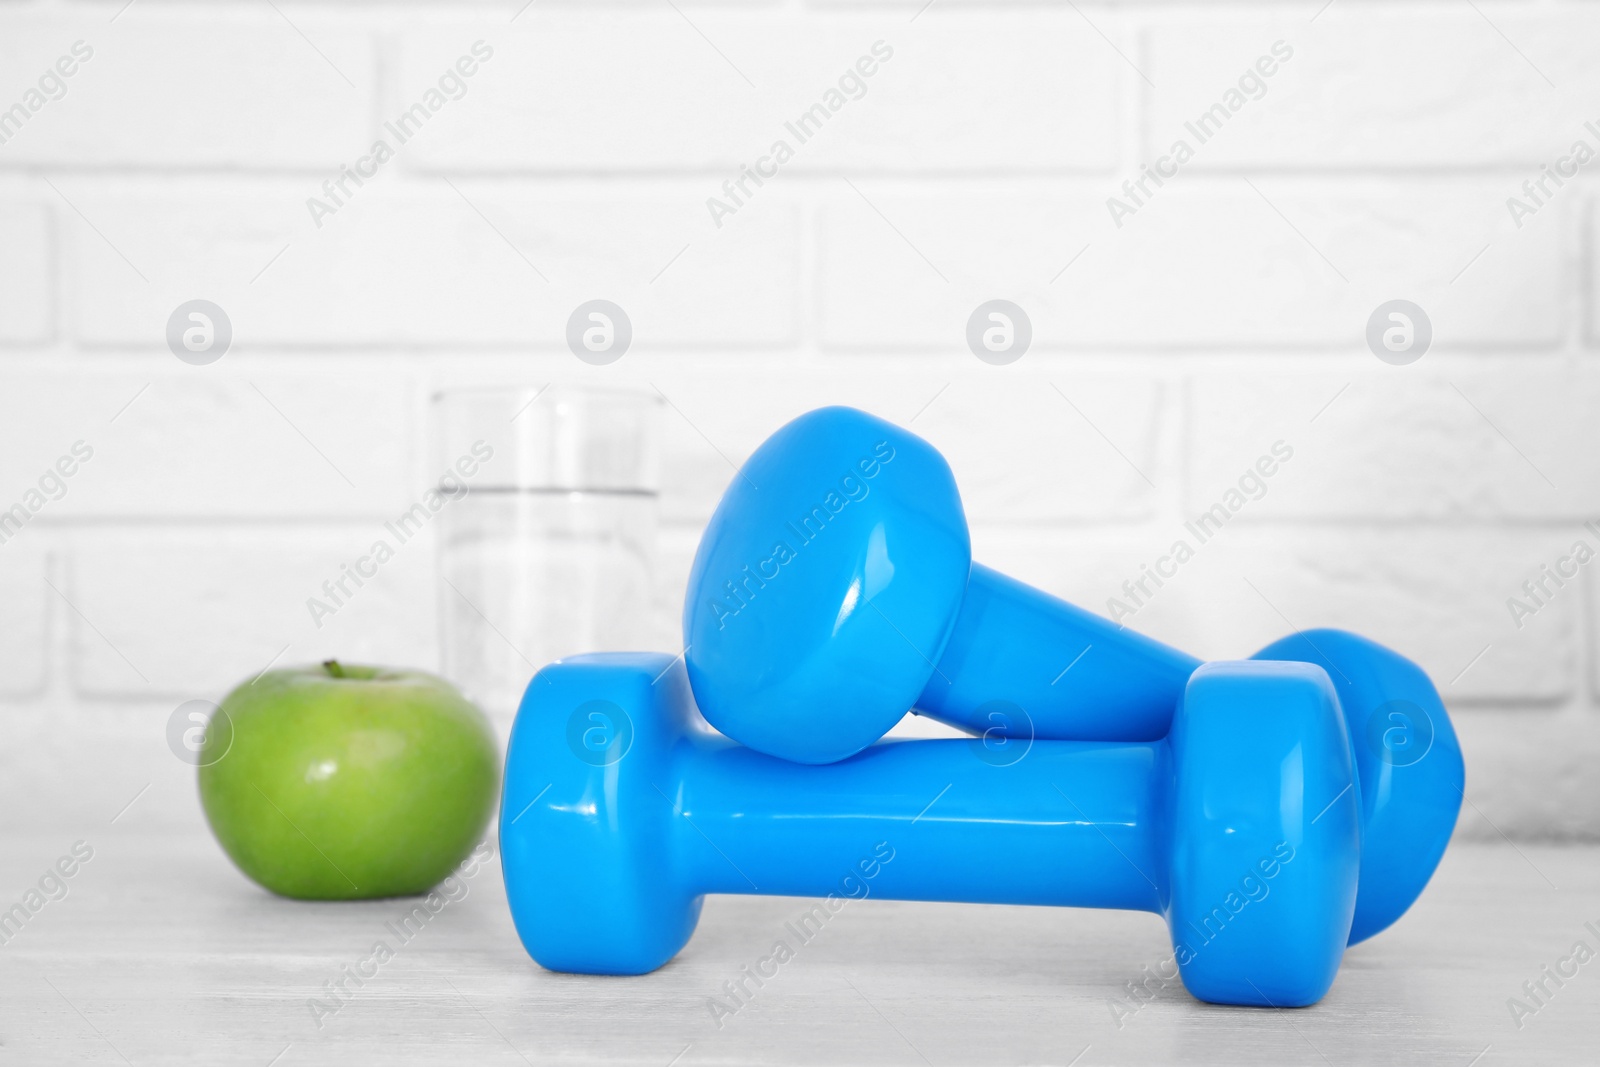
(1071, 824)
(1014, 645)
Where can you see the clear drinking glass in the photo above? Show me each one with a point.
(549, 549)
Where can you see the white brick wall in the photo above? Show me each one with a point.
(25, 275)
(1208, 264)
(1225, 313)
(167, 89)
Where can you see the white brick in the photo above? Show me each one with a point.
(1593, 294)
(27, 275)
(1379, 88)
(189, 614)
(23, 653)
(206, 441)
(406, 268)
(1591, 652)
(961, 92)
(1403, 443)
(1556, 802)
(176, 90)
(1020, 454)
(1438, 598)
(1207, 263)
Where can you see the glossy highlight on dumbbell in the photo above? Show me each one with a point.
(1241, 828)
(834, 589)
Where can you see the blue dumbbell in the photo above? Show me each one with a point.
(621, 810)
(834, 589)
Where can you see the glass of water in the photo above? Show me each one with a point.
(548, 548)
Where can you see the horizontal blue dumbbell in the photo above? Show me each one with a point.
(834, 589)
(621, 810)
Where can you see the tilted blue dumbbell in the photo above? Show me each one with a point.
(622, 809)
(834, 589)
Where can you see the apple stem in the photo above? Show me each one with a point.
(333, 668)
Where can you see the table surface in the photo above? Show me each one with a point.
(162, 953)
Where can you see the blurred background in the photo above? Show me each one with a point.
(1430, 490)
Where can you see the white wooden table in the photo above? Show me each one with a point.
(162, 953)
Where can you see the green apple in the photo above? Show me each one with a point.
(345, 782)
